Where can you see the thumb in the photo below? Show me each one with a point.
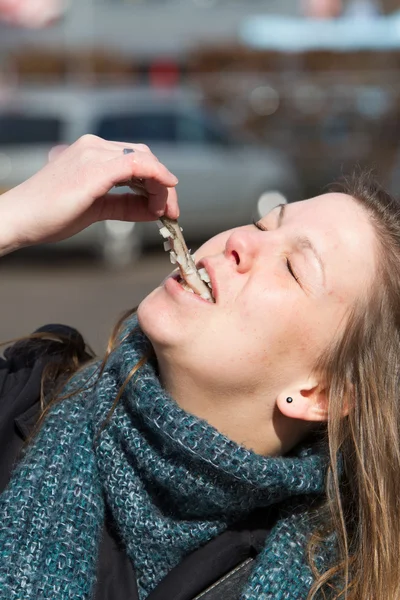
(122, 207)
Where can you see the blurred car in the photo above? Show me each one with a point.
(220, 178)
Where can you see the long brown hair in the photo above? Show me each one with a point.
(70, 354)
(362, 370)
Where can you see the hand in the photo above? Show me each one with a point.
(72, 191)
(30, 13)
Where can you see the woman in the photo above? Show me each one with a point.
(281, 394)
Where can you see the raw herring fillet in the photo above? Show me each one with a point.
(176, 245)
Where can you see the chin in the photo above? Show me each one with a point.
(158, 319)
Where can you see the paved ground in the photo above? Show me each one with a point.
(77, 291)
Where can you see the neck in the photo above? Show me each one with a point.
(245, 417)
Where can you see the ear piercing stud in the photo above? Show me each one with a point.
(289, 400)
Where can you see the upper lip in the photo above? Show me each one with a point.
(210, 270)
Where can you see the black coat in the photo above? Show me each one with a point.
(218, 570)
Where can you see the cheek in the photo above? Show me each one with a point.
(265, 320)
(277, 324)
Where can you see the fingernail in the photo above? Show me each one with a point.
(176, 180)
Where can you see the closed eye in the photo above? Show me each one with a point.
(262, 227)
(293, 274)
(259, 225)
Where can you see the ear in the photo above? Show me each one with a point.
(309, 401)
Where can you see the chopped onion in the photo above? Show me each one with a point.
(164, 232)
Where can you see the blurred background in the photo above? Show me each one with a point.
(241, 99)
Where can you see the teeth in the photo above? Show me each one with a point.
(185, 285)
(204, 275)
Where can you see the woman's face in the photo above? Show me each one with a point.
(281, 295)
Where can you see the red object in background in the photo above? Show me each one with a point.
(31, 13)
(322, 9)
(164, 73)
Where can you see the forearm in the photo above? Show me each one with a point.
(71, 192)
(8, 223)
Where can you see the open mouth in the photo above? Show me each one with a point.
(204, 276)
(191, 278)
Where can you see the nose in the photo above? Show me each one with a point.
(242, 247)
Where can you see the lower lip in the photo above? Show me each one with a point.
(175, 289)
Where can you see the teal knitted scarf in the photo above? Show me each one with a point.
(171, 481)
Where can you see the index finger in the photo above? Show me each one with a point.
(145, 166)
(172, 206)
(128, 166)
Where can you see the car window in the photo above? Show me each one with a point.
(193, 129)
(141, 127)
(21, 129)
(152, 126)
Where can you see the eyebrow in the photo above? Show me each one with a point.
(303, 241)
